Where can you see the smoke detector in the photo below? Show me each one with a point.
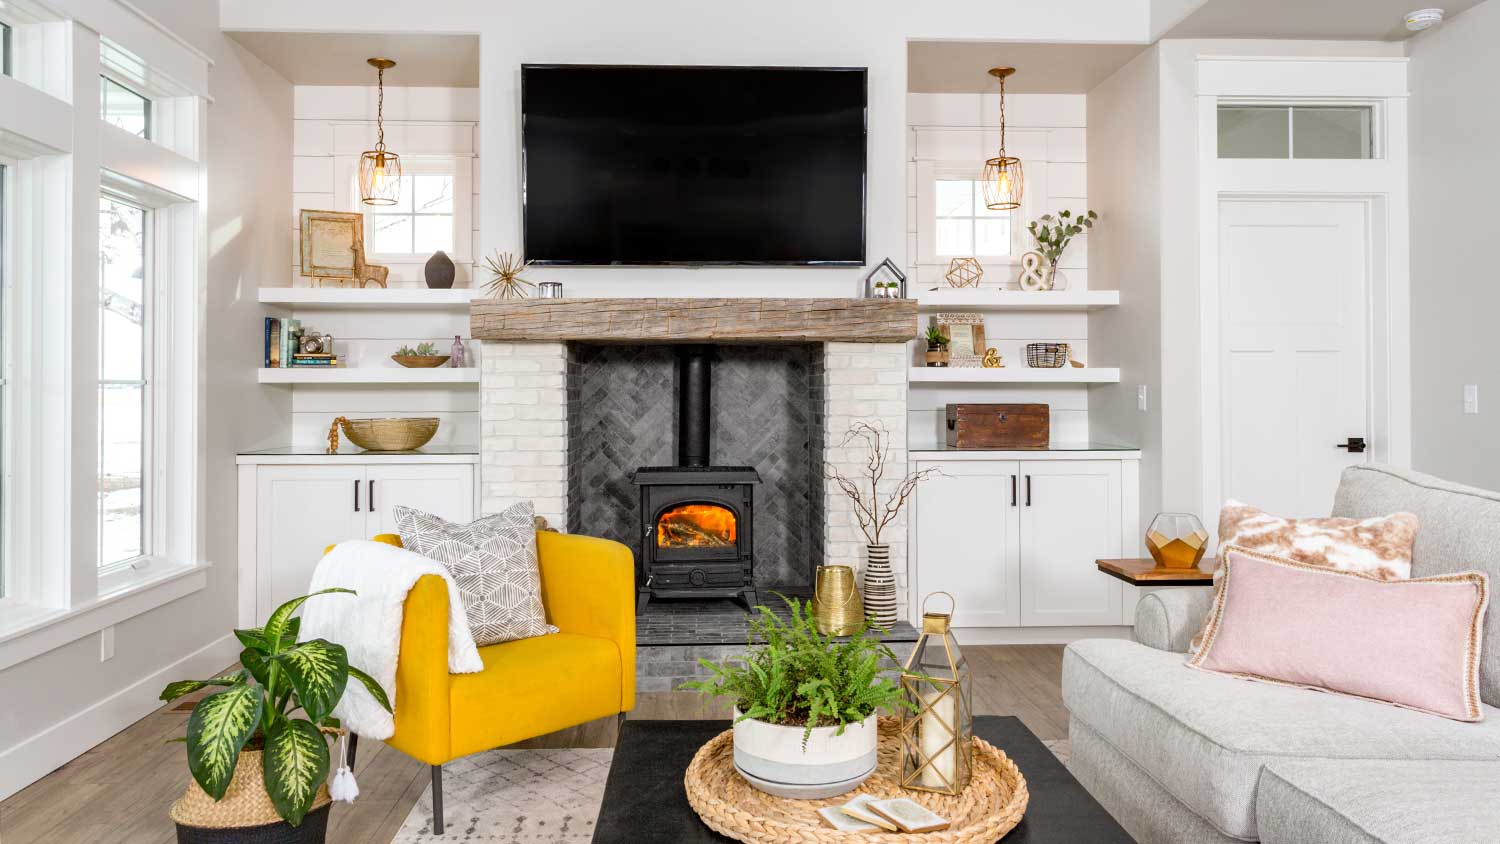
(1423, 18)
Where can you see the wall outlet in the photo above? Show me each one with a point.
(1471, 398)
(1140, 398)
(107, 644)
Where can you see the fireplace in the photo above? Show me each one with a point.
(697, 520)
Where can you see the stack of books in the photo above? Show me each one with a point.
(281, 346)
(299, 359)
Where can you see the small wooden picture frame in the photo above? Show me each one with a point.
(965, 333)
(333, 244)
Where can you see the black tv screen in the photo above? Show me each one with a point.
(693, 165)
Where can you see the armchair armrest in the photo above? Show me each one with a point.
(423, 728)
(588, 587)
(1168, 619)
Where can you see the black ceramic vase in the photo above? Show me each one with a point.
(439, 271)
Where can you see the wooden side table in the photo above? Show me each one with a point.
(1143, 571)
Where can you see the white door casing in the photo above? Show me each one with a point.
(969, 541)
(1070, 517)
(1294, 350)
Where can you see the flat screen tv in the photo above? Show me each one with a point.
(693, 165)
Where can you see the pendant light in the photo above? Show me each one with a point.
(1003, 180)
(380, 169)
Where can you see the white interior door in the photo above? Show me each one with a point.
(967, 541)
(1294, 360)
(1070, 517)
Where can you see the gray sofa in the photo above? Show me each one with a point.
(1179, 755)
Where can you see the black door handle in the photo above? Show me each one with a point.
(1356, 445)
(356, 496)
(1028, 490)
(372, 496)
(1012, 490)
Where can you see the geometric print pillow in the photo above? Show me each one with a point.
(493, 561)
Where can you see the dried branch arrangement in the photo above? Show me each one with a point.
(872, 510)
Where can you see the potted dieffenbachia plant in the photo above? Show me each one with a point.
(805, 704)
(258, 746)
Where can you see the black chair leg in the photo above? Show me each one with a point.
(353, 748)
(437, 799)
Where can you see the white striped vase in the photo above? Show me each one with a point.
(880, 586)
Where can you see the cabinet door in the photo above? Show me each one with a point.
(445, 490)
(1070, 517)
(966, 541)
(300, 510)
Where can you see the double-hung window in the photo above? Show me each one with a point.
(421, 222)
(124, 385)
(963, 225)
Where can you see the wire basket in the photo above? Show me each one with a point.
(1046, 355)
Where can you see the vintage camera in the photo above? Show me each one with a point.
(313, 343)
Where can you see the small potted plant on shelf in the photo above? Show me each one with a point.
(937, 346)
(259, 767)
(805, 704)
(1052, 236)
(424, 356)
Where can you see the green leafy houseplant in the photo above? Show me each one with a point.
(1052, 234)
(257, 709)
(936, 339)
(797, 677)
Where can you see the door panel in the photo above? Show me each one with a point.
(1294, 278)
(967, 542)
(445, 490)
(1069, 519)
(300, 511)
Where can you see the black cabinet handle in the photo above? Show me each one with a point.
(1012, 490)
(1028, 490)
(372, 496)
(356, 496)
(1356, 445)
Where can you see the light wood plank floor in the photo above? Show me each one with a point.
(119, 791)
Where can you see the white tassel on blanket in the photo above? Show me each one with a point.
(368, 624)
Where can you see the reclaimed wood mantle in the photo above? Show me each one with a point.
(694, 320)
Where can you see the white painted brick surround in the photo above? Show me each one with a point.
(524, 434)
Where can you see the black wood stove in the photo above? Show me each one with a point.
(697, 520)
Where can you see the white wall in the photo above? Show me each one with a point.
(1455, 119)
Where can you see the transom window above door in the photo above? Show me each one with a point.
(1296, 131)
(963, 226)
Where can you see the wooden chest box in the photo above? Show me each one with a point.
(998, 426)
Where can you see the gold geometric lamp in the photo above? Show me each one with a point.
(379, 168)
(1003, 180)
(937, 729)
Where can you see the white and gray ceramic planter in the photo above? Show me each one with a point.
(772, 758)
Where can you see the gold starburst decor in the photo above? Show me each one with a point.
(507, 283)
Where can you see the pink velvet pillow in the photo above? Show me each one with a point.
(1412, 643)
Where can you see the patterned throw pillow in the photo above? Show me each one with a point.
(1380, 547)
(493, 561)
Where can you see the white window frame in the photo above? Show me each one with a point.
(1033, 198)
(461, 166)
(8, 179)
(1378, 120)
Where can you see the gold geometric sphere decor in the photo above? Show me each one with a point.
(379, 168)
(964, 272)
(1003, 180)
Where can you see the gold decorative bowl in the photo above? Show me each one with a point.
(420, 361)
(384, 434)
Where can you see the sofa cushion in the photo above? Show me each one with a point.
(1460, 532)
(1365, 801)
(1204, 737)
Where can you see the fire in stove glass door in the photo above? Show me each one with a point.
(696, 526)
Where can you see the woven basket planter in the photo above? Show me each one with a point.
(246, 814)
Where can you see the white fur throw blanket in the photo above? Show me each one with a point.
(368, 624)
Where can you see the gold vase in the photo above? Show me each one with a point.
(837, 608)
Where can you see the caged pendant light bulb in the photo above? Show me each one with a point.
(379, 168)
(1002, 178)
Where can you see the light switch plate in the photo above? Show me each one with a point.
(1140, 398)
(1471, 398)
(107, 644)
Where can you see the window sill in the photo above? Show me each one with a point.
(28, 631)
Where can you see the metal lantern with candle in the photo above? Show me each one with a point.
(937, 727)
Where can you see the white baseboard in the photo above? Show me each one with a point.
(45, 752)
(1036, 635)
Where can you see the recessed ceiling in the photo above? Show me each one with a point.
(959, 67)
(1335, 20)
(310, 58)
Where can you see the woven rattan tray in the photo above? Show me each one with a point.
(989, 808)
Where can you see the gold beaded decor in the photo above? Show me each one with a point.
(379, 168)
(1002, 179)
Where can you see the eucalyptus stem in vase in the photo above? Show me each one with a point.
(1052, 235)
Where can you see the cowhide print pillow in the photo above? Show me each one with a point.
(1380, 546)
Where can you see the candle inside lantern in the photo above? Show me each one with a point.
(937, 729)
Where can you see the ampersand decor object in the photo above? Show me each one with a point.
(1033, 276)
(991, 359)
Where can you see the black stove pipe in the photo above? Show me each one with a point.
(694, 387)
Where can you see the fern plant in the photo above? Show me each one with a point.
(797, 677)
(257, 707)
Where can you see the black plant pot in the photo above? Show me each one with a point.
(313, 830)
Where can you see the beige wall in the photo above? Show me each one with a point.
(1455, 300)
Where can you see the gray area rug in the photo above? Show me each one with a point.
(528, 797)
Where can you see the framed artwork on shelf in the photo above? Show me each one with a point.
(965, 333)
(885, 282)
(333, 245)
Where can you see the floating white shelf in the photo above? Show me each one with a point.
(331, 298)
(1017, 300)
(368, 375)
(1014, 374)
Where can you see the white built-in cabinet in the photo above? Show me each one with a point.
(1013, 537)
(289, 512)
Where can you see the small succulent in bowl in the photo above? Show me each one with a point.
(424, 356)
(422, 350)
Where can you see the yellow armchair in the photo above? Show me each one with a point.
(529, 687)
